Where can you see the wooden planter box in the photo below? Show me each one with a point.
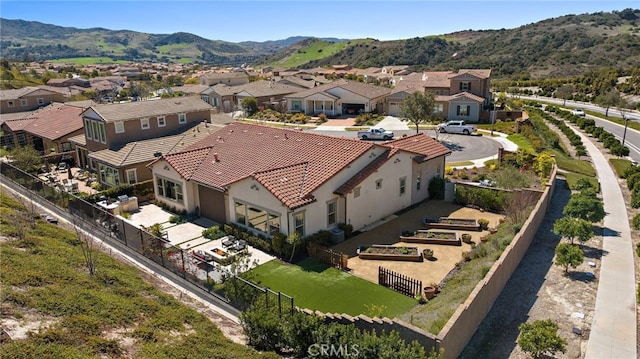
(390, 253)
(432, 237)
(464, 224)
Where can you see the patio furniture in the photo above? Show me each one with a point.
(240, 245)
(62, 166)
(229, 241)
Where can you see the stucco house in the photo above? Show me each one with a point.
(48, 130)
(227, 78)
(27, 99)
(459, 96)
(111, 129)
(273, 180)
(338, 98)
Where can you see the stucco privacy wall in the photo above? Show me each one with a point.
(465, 321)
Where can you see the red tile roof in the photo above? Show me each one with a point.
(51, 122)
(421, 144)
(291, 164)
(371, 168)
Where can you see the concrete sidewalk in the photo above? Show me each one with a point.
(614, 326)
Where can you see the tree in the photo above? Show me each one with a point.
(565, 92)
(539, 337)
(26, 158)
(608, 99)
(568, 255)
(250, 105)
(418, 108)
(586, 206)
(572, 228)
(294, 239)
(89, 252)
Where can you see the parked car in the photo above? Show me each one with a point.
(375, 134)
(578, 112)
(456, 127)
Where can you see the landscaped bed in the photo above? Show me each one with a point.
(392, 253)
(465, 224)
(431, 237)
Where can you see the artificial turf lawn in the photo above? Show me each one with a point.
(319, 287)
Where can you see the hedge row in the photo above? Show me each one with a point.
(574, 138)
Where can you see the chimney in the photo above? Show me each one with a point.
(215, 157)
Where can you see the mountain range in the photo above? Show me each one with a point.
(557, 47)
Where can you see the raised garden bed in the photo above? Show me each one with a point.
(464, 224)
(431, 237)
(390, 253)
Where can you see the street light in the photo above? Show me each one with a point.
(626, 124)
(493, 115)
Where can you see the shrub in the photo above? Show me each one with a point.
(213, 232)
(347, 229)
(436, 188)
(635, 223)
(484, 224)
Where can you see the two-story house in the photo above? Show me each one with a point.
(459, 96)
(27, 99)
(109, 128)
(48, 130)
(271, 180)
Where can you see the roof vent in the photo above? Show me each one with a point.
(215, 157)
(157, 154)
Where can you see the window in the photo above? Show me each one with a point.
(87, 129)
(241, 215)
(418, 183)
(296, 105)
(24, 102)
(103, 134)
(465, 86)
(182, 118)
(257, 218)
(356, 192)
(94, 129)
(438, 108)
(298, 225)
(169, 189)
(131, 176)
(161, 121)
(332, 213)
(403, 186)
(144, 123)
(119, 126)
(10, 103)
(379, 184)
(206, 99)
(463, 110)
(40, 101)
(108, 175)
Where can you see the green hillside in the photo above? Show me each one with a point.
(307, 51)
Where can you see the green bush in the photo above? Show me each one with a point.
(436, 188)
(635, 223)
(484, 224)
(213, 232)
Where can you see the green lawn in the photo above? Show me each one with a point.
(620, 165)
(521, 141)
(572, 180)
(573, 165)
(319, 287)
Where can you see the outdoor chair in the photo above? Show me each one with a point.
(240, 245)
(229, 242)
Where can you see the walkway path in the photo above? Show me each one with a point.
(614, 327)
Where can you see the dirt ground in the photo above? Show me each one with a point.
(429, 271)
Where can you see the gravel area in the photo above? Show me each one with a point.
(541, 290)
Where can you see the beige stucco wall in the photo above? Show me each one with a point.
(474, 111)
(426, 171)
(162, 169)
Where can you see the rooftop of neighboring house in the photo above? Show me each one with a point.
(359, 88)
(481, 73)
(52, 122)
(190, 88)
(14, 94)
(133, 110)
(225, 75)
(265, 88)
(145, 151)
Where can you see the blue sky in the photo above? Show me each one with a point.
(237, 21)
